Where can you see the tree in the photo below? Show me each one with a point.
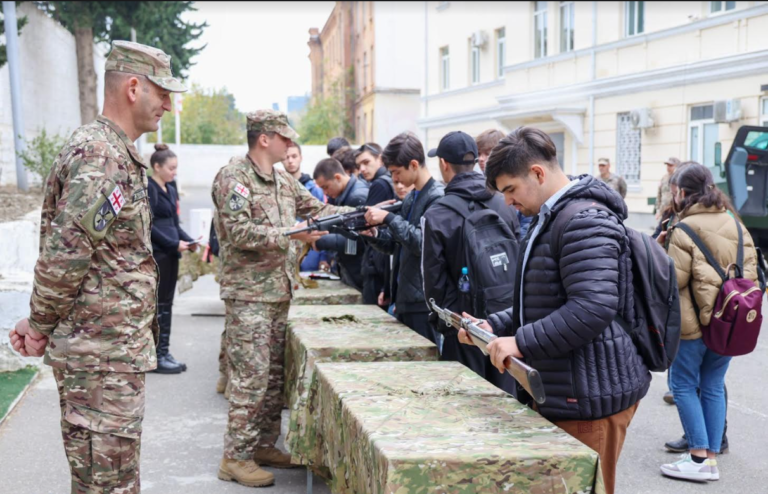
(327, 117)
(20, 21)
(156, 23)
(209, 117)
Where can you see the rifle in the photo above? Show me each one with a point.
(528, 377)
(343, 223)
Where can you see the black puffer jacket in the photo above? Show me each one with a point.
(166, 232)
(402, 239)
(588, 364)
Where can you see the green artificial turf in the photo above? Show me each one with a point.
(11, 385)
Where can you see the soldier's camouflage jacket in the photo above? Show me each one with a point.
(95, 282)
(253, 210)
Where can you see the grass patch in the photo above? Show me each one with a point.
(11, 385)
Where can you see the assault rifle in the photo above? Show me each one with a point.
(343, 223)
(528, 377)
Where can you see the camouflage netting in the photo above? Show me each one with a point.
(365, 313)
(327, 293)
(436, 427)
(192, 266)
(342, 340)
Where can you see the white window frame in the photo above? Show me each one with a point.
(700, 126)
(445, 68)
(723, 7)
(764, 111)
(540, 26)
(567, 25)
(501, 51)
(474, 64)
(638, 26)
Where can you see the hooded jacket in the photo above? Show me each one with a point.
(589, 366)
(375, 263)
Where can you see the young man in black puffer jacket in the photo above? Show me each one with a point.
(563, 321)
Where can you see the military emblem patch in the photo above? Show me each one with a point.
(104, 215)
(236, 202)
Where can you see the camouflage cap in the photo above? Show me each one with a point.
(270, 121)
(135, 58)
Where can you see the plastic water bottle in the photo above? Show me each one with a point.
(464, 281)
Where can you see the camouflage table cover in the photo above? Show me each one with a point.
(366, 313)
(328, 292)
(436, 427)
(308, 343)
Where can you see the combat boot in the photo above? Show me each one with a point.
(245, 472)
(221, 384)
(273, 457)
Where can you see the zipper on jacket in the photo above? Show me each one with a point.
(730, 296)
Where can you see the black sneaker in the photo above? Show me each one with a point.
(678, 446)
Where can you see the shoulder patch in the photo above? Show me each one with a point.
(242, 190)
(116, 199)
(103, 213)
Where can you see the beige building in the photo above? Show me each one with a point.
(636, 82)
(373, 44)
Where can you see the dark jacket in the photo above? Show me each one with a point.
(166, 232)
(382, 189)
(402, 239)
(355, 194)
(312, 187)
(589, 366)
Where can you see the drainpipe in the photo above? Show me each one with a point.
(426, 71)
(593, 76)
(17, 111)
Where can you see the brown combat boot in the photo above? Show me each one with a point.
(245, 472)
(221, 384)
(273, 457)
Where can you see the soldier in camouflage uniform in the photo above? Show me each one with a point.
(255, 205)
(93, 302)
(614, 181)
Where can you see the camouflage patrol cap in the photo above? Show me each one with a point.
(135, 58)
(270, 121)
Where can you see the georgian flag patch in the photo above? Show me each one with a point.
(117, 200)
(242, 190)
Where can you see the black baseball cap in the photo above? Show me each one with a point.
(453, 146)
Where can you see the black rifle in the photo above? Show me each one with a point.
(343, 223)
(528, 377)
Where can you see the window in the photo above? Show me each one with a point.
(445, 66)
(764, 112)
(634, 18)
(540, 29)
(702, 135)
(501, 51)
(627, 149)
(474, 63)
(566, 26)
(718, 7)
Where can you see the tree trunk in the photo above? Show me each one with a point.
(86, 75)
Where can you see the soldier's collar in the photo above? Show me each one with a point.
(258, 170)
(127, 141)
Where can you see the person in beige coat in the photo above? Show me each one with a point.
(703, 207)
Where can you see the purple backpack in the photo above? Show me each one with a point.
(737, 315)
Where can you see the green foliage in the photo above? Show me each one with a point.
(20, 22)
(157, 24)
(41, 152)
(326, 117)
(11, 386)
(208, 116)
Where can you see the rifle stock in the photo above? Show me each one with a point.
(350, 222)
(528, 377)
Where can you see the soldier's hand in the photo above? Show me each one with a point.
(501, 349)
(35, 347)
(308, 237)
(375, 216)
(17, 336)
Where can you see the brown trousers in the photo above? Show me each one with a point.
(606, 436)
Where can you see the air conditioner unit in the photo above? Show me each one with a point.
(642, 118)
(727, 111)
(479, 39)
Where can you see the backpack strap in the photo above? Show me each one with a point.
(461, 206)
(740, 251)
(565, 215)
(705, 250)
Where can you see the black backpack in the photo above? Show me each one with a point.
(489, 250)
(656, 328)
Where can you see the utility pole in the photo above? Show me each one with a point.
(12, 49)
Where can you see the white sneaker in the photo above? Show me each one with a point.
(714, 472)
(687, 469)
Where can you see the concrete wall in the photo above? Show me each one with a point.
(50, 96)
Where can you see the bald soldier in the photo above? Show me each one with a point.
(255, 204)
(92, 310)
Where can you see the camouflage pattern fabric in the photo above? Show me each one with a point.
(344, 340)
(252, 211)
(255, 350)
(135, 58)
(329, 313)
(328, 292)
(270, 121)
(616, 183)
(95, 281)
(664, 195)
(101, 415)
(437, 427)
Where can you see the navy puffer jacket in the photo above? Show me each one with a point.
(589, 366)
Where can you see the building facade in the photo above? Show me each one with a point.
(635, 82)
(372, 43)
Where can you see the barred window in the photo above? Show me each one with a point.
(627, 149)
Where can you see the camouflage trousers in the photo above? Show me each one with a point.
(256, 350)
(101, 415)
(223, 365)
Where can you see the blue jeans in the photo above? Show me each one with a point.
(703, 417)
